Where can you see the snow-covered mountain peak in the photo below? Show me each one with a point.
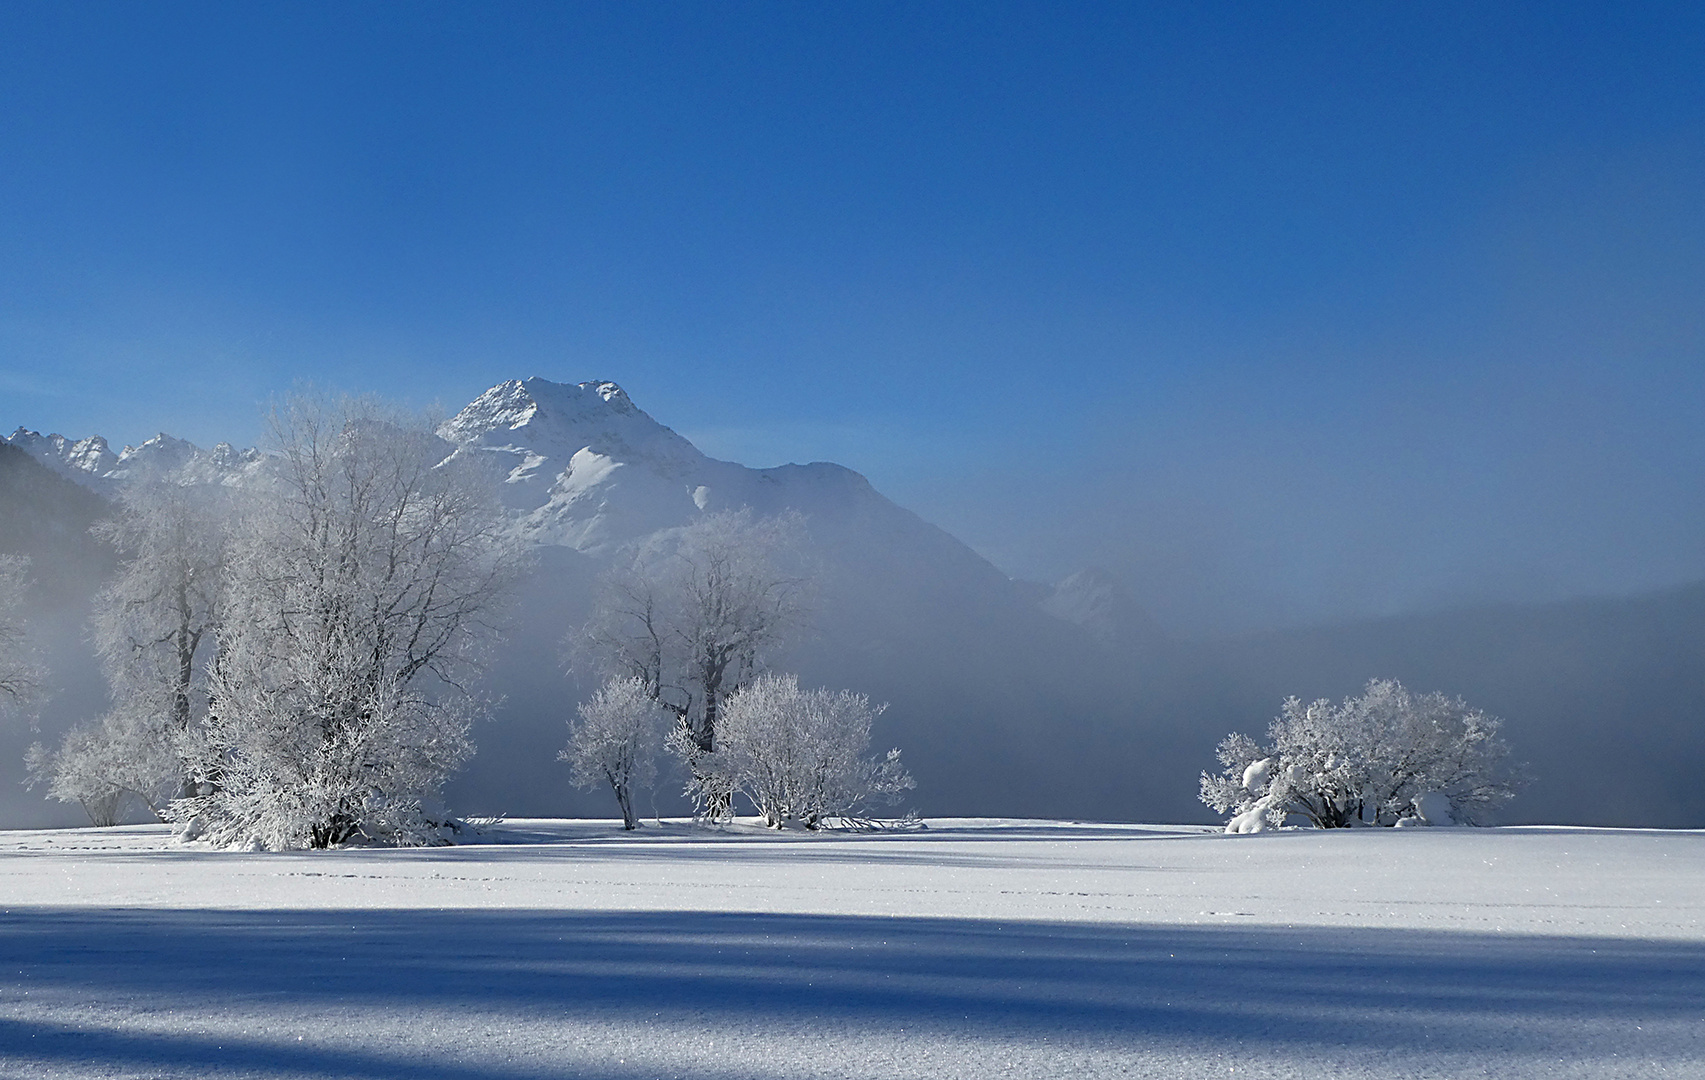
(225, 456)
(505, 406)
(580, 463)
(81, 459)
(610, 392)
(519, 402)
(557, 420)
(581, 466)
(92, 463)
(159, 456)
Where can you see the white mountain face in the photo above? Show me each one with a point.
(582, 467)
(85, 460)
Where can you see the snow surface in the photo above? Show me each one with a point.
(977, 948)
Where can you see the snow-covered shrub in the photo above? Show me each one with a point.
(359, 596)
(800, 754)
(1378, 759)
(129, 752)
(615, 741)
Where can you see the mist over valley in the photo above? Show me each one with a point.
(1009, 698)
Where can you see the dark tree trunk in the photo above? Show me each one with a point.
(335, 831)
(625, 799)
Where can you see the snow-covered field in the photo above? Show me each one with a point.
(973, 949)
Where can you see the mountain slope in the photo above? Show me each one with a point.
(46, 517)
(583, 467)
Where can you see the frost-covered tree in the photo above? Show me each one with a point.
(156, 623)
(694, 613)
(359, 597)
(801, 754)
(124, 754)
(615, 741)
(21, 671)
(155, 627)
(79, 771)
(1384, 758)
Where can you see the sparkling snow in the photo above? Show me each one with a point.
(976, 948)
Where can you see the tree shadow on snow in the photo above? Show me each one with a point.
(1246, 990)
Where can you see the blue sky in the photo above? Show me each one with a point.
(1280, 313)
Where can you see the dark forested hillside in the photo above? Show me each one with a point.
(47, 517)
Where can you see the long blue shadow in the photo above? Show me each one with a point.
(1248, 987)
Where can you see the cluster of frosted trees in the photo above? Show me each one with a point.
(286, 662)
(682, 631)
(1387, 757)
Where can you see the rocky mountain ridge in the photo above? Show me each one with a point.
(92, 463)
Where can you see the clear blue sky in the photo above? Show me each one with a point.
(1280, 312)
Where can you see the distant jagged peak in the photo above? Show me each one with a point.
(92, 463)
(82, 459)
(79, 459)
(225, 456)
(164, 457)
(161, 448)
(91, 455)
(161, 443)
